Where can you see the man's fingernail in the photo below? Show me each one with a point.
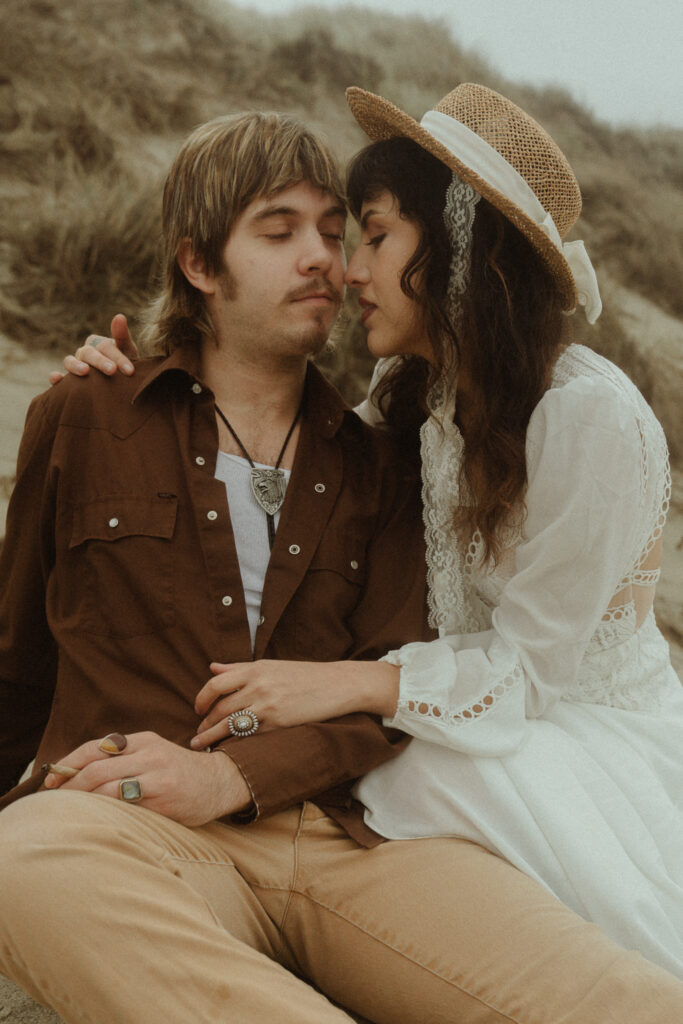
(127, 368)
(194, 742)
(108, 366)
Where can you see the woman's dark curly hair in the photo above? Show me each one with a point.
(505, 347)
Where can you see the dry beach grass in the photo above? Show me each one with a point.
(96, 94)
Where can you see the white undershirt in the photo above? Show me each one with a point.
(250, 529)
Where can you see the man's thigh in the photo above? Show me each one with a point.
(112, 912)
(442, 930)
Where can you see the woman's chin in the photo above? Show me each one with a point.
(382, 348)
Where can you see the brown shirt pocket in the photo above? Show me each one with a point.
(119, 578)
(328, 596)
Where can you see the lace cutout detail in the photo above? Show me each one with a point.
(634, 674)
(458, 215)
(469, 712)
(617, 625)
(645, 577)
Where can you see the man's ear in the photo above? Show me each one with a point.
(194, 268)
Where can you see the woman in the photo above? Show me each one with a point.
(547, 718)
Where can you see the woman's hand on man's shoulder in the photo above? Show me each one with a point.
(115, 354)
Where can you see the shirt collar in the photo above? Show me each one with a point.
(324, 406)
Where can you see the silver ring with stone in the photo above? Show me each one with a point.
(130, 790)
(243, 723)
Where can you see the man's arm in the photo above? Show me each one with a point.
(28, 655)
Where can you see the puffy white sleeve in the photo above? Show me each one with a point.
(475, 692)
(367, 410)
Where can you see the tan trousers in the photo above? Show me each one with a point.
(112, 913)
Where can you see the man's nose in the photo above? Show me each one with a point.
(316, 256)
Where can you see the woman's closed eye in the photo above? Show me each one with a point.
(377, 240)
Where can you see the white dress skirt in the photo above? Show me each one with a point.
(547, 718)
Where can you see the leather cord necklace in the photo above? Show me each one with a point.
(267, 485)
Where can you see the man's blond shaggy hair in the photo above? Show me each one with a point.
(221, 168)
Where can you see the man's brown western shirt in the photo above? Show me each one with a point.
(120, 581)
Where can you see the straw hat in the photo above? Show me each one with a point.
(510, 160)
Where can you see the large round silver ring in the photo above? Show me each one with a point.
(130, 790)
(243, 723)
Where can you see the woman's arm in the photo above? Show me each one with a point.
(474, 692)
(286, 693)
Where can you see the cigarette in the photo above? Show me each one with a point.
(60, 769)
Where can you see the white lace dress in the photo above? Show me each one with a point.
(548, 720)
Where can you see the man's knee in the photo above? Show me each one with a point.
(40, 831)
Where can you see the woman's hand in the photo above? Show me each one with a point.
(285, 693)
(108, 355)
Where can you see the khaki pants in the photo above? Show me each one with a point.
(112, 913)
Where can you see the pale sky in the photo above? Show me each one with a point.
(622, 59)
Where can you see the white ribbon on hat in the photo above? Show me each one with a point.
(488, 163)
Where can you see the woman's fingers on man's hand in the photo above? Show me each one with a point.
(210, 732)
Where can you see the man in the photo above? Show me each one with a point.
(198, 886)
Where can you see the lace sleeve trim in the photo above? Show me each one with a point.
(468, 712)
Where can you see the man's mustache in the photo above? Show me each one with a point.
(320, 287)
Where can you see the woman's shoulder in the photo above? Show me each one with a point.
(594, 407)
(587, 387)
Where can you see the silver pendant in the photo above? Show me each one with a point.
(268, 487)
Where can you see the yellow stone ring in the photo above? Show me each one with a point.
(243, 723)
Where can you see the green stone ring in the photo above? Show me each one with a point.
(130, 790)
(243, 723)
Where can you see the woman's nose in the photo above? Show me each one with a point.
(357, 273)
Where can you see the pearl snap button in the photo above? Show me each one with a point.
(354, 564)
(113, 521)
(227, 600)
(200, 460)
(212, 515)
(197, 388)
(320, 488)
(294, 549)
(261, 619)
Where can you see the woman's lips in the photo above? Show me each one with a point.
(368, 309)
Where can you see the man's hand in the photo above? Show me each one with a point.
(188, 786)
(285, 693)
(108, 355)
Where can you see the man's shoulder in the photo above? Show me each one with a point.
(99, 401)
